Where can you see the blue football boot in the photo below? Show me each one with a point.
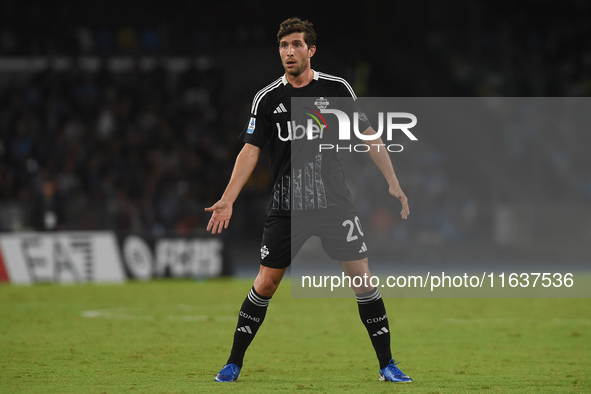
(391, 373)
(229, 373)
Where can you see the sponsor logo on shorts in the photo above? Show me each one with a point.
(363, 248)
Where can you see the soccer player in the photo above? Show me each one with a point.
(311, 189)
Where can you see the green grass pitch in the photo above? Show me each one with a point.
(173, 336)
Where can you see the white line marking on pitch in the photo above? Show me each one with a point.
(131, 314)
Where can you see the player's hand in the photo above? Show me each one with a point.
(397, 192)
(220, 217)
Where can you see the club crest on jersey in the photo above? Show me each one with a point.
(251, 126)
(321, 103)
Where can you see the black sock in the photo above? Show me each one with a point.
(373, 315)
(251, 316)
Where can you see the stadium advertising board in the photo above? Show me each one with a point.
(61, 257)
(82, 257)
(172, 257)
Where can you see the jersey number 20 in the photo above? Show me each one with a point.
(351, 236)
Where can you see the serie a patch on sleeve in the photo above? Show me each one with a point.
(251, 126)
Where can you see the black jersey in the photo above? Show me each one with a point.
(306, 179)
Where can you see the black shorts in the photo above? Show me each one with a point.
(341, 235)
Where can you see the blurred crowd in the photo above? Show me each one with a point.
(145, 149)
(131, 150)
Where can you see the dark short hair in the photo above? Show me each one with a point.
(296, 25)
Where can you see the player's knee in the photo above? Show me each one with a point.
(266, 286)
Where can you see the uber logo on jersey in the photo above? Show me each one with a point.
(295, 131)
(251, 126)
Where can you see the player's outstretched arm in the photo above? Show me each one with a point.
(382, 160)
(221, 211)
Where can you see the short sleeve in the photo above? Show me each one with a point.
(353, 106)
(256, 131)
